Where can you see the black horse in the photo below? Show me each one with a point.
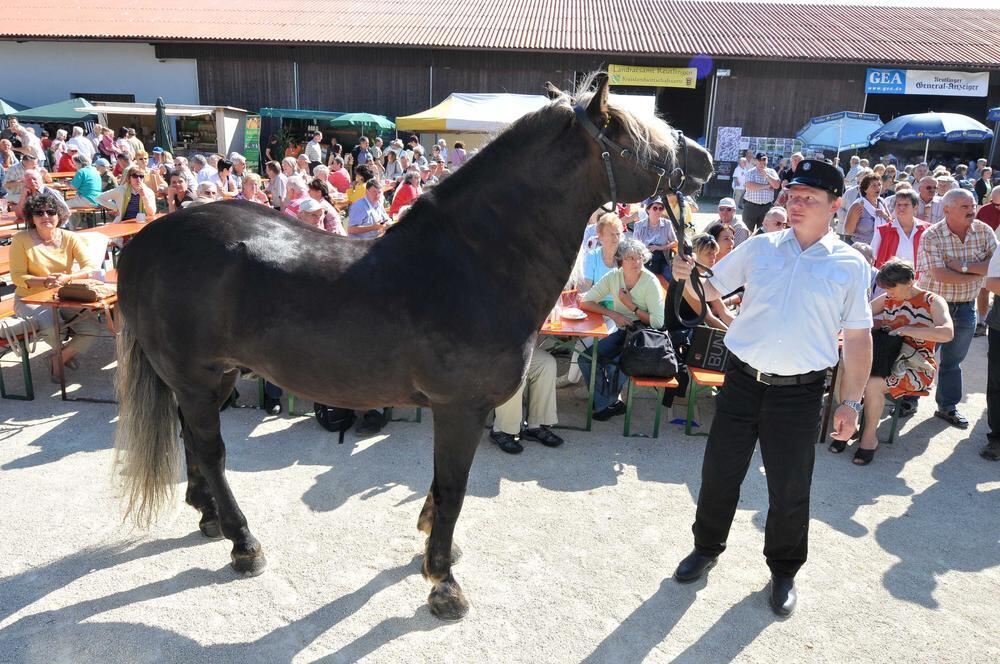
(441, 312)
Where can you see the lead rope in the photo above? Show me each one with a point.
(696, 275)
(28, 329)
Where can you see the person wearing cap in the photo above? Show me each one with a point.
(761, 183)
(108, 181)
(658, 234)
(14, 176)
(803, 287)
(727, 215)
(312, 212)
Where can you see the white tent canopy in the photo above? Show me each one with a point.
(490, 113)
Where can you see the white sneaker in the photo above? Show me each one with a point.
(564, 381)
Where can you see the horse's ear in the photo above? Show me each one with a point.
(551, 91)
(598, 107)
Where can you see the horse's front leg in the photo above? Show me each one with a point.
(457, 430)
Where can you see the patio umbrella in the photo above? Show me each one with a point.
(363, 121)
(163, 137)
(927, 127)
(8, 107)
(845, 130)
(993, 115)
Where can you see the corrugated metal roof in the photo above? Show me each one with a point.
(869, 33)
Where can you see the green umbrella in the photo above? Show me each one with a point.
(8, 107)
(162, 128)
(363, 121)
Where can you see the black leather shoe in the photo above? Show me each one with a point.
(783, 595)
(543, 435)
(272, 406)
(506, 442)
(617, 408)
(692, 567)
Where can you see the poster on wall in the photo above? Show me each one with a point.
(727, 143)
(251, 142)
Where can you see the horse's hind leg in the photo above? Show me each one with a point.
(198, 495)
(457, 430)
(203, 440)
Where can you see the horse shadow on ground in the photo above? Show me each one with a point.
(66, 635)
(55, 444)
(950, 526)
(651, 623)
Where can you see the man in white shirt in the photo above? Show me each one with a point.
(82, 143)
(202, 171)
(781, 346)
(740, 181)
(851, 179)
(30, 144)
(314, 151)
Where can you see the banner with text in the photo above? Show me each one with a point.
(924, 82)
(657, 77)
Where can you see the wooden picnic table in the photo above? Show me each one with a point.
(119, 230)
(50, 298)
(592, 327)
(62, 175)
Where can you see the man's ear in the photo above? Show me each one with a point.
(597, 110)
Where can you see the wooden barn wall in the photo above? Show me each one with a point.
(776, 98)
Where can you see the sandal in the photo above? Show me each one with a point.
(953, 417)
(837, 446)
(864, 457)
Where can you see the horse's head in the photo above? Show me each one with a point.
(637, 156)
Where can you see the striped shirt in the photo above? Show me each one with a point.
(759, 196)
(938, 245)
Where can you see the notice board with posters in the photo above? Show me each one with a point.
(251, 143)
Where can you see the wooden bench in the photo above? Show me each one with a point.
(702, 380)
(7, 311)
(657, 384)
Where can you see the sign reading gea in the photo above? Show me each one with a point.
(921, 82)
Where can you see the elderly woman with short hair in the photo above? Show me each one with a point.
(131, 198)
(251, 190)
(636, 297)
(42, 257)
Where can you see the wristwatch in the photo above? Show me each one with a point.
(635, 309)
(856, 405)
(965, 268)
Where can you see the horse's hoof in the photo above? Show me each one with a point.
(249, 565)
(210, 528)
(448, 602)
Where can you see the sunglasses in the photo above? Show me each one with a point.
(657, 207)
(727, 209)
(46, 213)
(137, 176)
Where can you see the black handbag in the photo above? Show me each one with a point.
(334, 419)
(885, 350)
(648, 353)
(708, 349)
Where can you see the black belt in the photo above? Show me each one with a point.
(761, 204)
(774, 380)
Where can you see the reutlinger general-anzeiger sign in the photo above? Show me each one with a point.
(925, 82)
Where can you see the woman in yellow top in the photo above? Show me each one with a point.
(42, 257)
(132, 198)
(356, 192)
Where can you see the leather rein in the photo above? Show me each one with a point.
(664, 185)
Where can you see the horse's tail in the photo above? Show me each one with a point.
(147, 451)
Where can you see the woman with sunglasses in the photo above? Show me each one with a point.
(132, 198)
(42, 257)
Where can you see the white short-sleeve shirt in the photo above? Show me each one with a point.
(796, 302)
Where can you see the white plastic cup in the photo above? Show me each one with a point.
(140, 217)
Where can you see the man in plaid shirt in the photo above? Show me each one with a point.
(953, 259)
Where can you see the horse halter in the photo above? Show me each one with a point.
(660, 170)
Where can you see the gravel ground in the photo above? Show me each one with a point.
(568, 551)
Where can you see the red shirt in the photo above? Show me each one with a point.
(66, 163)
(340, 179)
(990, 215)
(406, 193)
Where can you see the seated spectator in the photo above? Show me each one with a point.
(302, 165)
(107, 147)
(542, 414)
(406, 193)
(339, 178)
(903, 310)
(311, 212)
(901, 237)
(724, 237)
(636, 295)
(319, 191)
(602, 259)
(86, 182)
(277, 185)
(178, 194)
(182, 166)
(223, 179)
(14, 176)
(984, 185)
(362, 174)
(154, 179)
(946, 183)
(298, 193)
(289, 166)
(203, 172)
(82, 143)
(322, 172)
(989, 213)
(65, 163)
(108, 180)
(367, 217)
(239, 169)
(251, 191)
(657, 233)
(206, 193)
(32, 183)
(439, 170)
(727, 215)
(130, 199)
(393, 169)
(418, 156)
(42, 257)
(122, 163)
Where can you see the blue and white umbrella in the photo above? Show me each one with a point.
(993, 115)
(846, 130)
(927, 127)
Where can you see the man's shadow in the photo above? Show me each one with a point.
(651, 623)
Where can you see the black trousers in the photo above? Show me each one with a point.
(993, 384)
(786, 420)
(753, 214)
